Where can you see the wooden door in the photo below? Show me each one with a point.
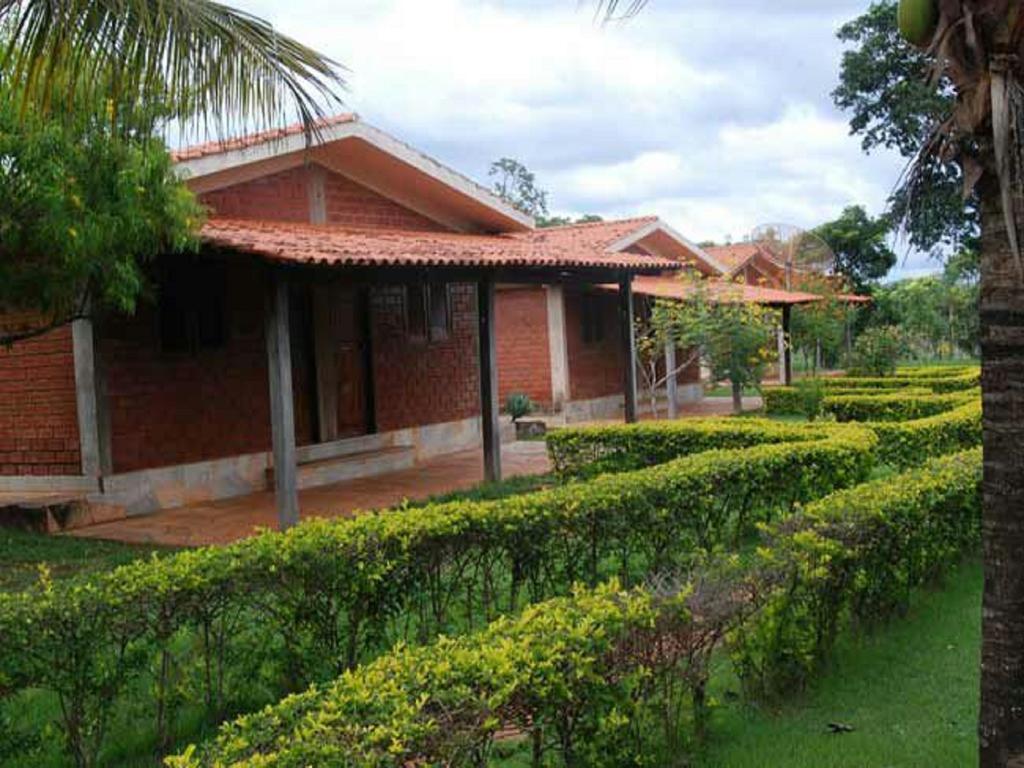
(342, 376)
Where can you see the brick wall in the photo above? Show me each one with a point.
(179, 408)
(38, 414)
(595, 369)
(524, 360)
(424, 382)
(283, 196)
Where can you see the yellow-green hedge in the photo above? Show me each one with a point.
(896, 406)
(584, 678)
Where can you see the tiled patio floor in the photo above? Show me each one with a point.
(220, 522)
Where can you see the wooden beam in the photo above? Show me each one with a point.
(787, 357)
(488, 380)
(282, 404)
(628, 345)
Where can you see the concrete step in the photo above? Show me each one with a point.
(368, 463)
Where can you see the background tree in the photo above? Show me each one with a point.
(860, 245)
(736, 340)
(516, 185)
(818, 330)
(884, 86)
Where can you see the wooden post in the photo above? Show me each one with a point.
(628, 345)
(488, 380)
(787, 358)
(282, 405)
(671, 380)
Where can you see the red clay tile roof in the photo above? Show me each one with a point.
(594, 234)
(668, 287)
(733, 256)
(252, 139)
(331, 245)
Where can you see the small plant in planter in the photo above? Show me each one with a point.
(518, 405)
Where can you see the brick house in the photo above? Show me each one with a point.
(559, 343)
(339, 321)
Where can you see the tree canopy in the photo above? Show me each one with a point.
(82, 208)
(884, 87)
(860, 245)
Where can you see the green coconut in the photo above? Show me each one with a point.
(917, 20)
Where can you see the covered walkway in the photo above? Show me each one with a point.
(220, 522)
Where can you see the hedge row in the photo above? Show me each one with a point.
(897, 406)
(789, 400)
(907, 443)
(601, 679)
(592, 450)
(940, 384)
(249, 622)
(935, 372)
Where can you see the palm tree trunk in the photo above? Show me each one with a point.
(1001, 721)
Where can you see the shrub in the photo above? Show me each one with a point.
(964, 381)
(893, 407)
(788, 400)
(588, 451)
(518, 405)
(810, 395)
(876, 352)
(907, 443)
(856, 553)
(586, 677)
(277, 611)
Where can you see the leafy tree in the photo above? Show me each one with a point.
(883, 85)
(817, 330)
(859, 244)
(516, 185)
(735, 339)
(877, 351)
(82, 208)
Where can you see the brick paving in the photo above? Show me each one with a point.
(220, 522)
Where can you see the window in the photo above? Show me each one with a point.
(191, 301)
(427, 311)
(592, 319)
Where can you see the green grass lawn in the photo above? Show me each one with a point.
(23, 553)
(909, 689)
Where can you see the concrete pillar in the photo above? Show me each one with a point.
(628, 346)
(488, 380)
(671, 382)
(557, 347)
(282, 404)
(91, 402)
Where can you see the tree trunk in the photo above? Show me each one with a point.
(1001, 721)
(737, 397)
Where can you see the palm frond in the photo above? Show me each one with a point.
(619, 10)
(215, 67)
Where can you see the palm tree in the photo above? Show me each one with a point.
(206, 64)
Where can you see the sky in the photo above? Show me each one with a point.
(715, 116)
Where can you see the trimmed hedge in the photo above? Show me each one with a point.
(855, 555)
(940, 384)
(897, 406)
(270, 614)
(584, 677)
(787, 400)
(936, 371)
(907, 443)
(592, 450)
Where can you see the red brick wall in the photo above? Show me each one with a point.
(283, 196)
(421, 382)
(170, 409)
(524, 361)
(595, 370)
(38, 414)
